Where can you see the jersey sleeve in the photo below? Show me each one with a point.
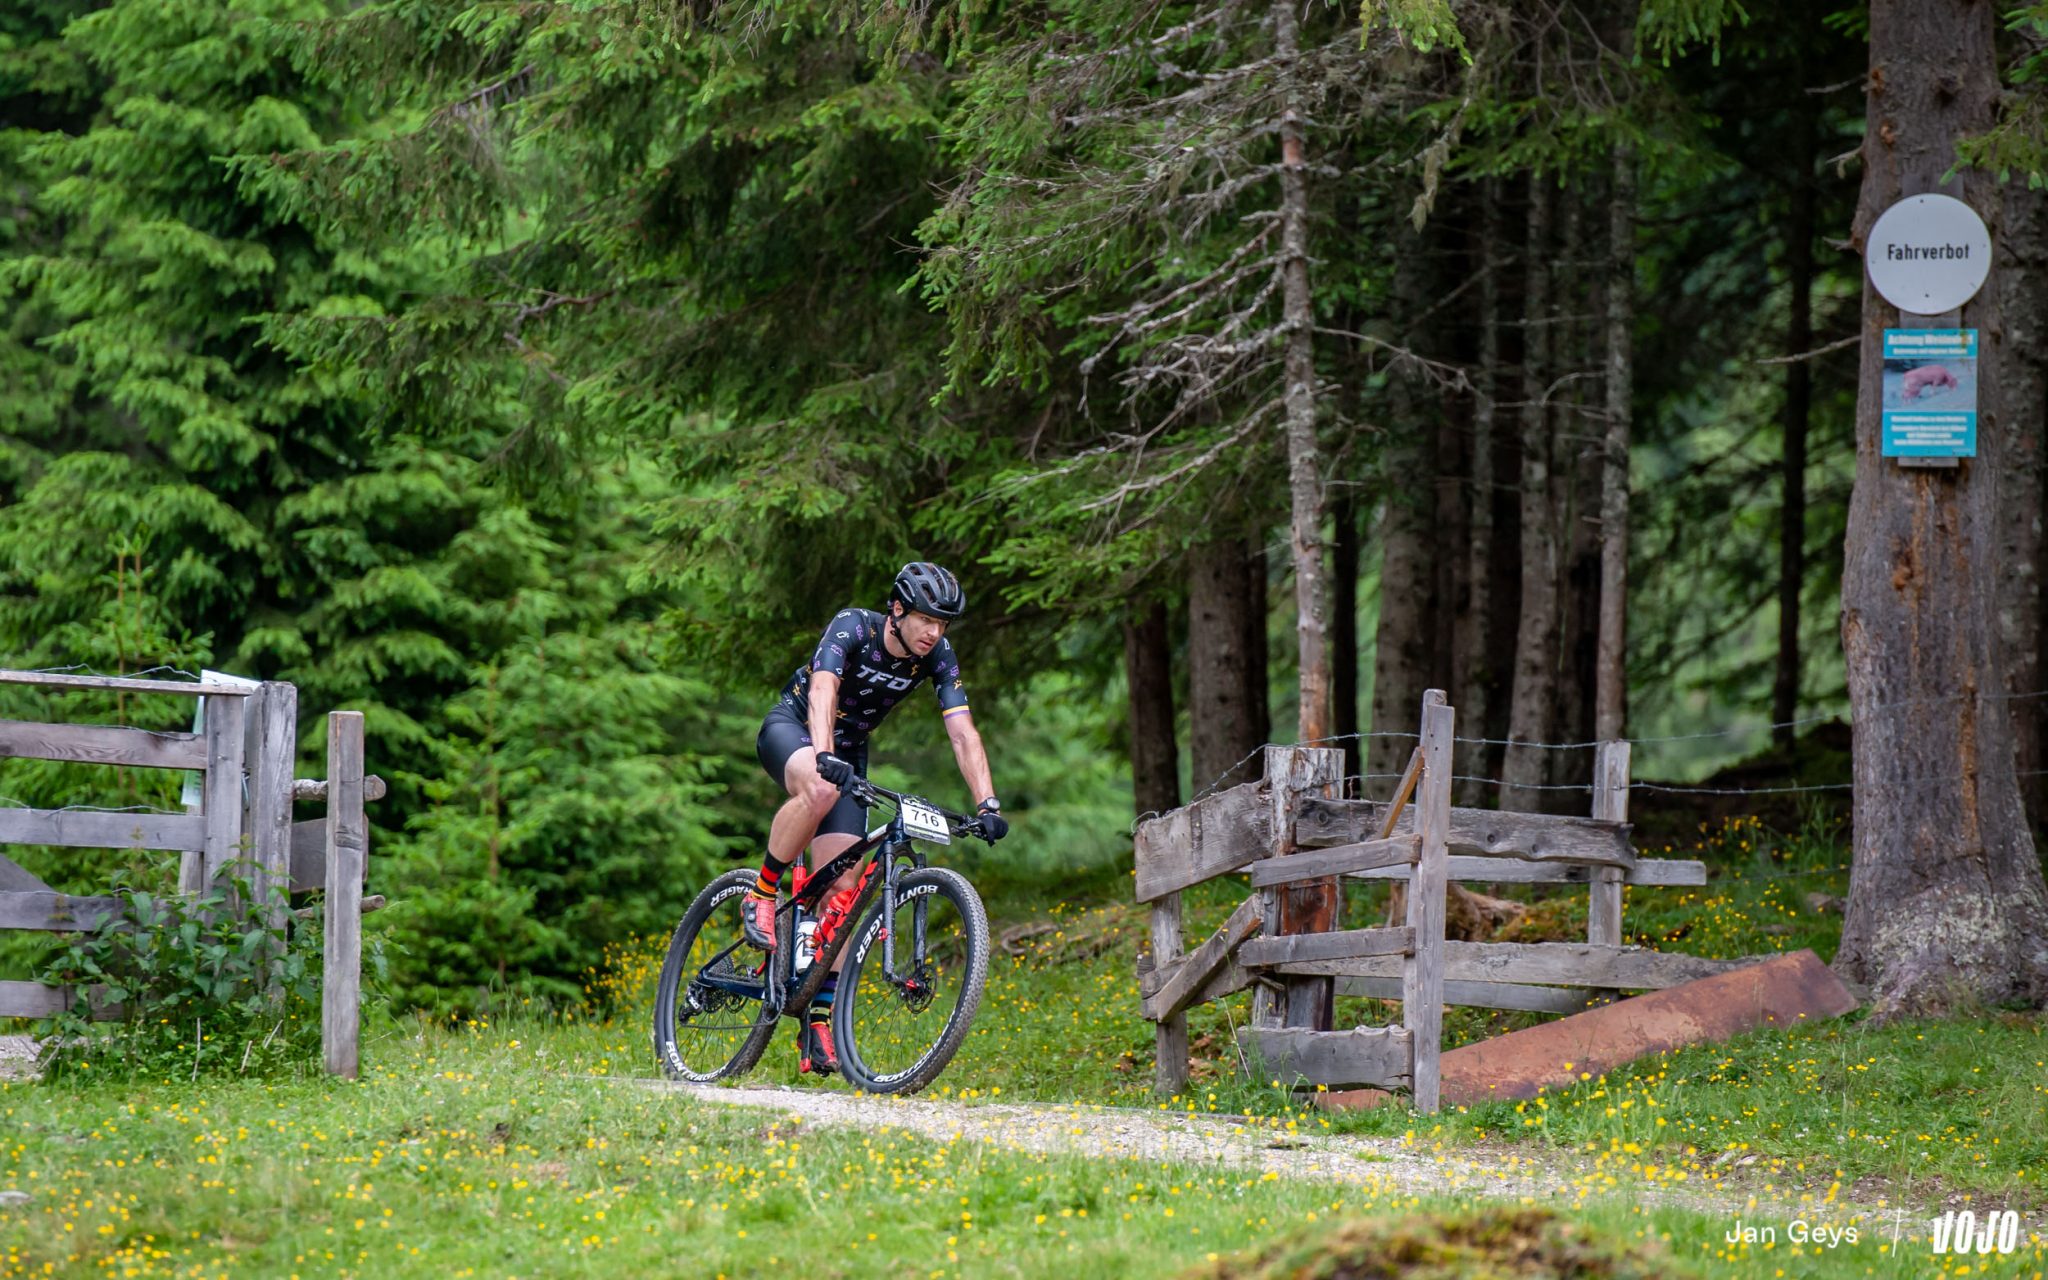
(845, 633)
(945, 669)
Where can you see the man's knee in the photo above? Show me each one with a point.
(820, 795)
(802, 782)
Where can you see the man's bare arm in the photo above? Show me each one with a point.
(824, 708)
(968, 752)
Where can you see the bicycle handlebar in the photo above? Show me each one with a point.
(866, 793)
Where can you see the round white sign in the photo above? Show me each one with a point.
(1928, 254)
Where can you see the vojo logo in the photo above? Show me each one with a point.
(1959, 1232)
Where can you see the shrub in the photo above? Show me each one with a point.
(197, 986)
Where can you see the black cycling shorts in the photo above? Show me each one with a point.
(782, 736)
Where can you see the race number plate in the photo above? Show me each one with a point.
(925, 822)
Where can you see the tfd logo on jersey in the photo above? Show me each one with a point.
(869, 675)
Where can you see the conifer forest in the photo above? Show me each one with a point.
(539, 378)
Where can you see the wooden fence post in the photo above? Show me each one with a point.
(273, 735)
(1610, 804)
(1310, 906)
(1422, 972)
(221, 798)
(347, 845)
(1169, 1035)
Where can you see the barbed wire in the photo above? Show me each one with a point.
(1733, 731)
(80, 668)
(10, 802)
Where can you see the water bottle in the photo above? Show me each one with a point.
(806, 939)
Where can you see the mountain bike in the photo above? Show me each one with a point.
(911, 985)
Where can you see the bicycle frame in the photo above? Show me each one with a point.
(888, 846)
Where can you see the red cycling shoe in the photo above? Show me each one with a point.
(757, 920)
(814, 1051)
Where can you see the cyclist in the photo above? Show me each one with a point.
(865, 663)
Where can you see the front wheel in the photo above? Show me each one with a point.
(896, 1031)
(710, 1020)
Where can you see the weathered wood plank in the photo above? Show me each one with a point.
(101, 744)
(15, 878)
(1188, 977)
(1483, 995)
(185, 688)
(347, 849)
(54, 912)
(1303, 906)
(1213, 835)
(1288, 949)
(1344, 859)
(1367, 1057)
(1170, 1035)
(1563, 964)
(79, 829)
(1610, 804)
(221, 803)
(309, 855)
(1422, 969)
(34, 1000)
(316, 788)
(1646, 871)
(272, 742)
(1320, 823)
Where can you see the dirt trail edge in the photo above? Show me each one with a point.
(1387, 1166)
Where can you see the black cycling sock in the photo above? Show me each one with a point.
(770, 879)
(821, 1003)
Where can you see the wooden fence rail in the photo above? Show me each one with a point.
(1291, 831)
(244, 753)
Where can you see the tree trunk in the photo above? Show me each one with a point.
(1533, 699)
(1402, 647)
(1610, 698)
(1304, 458)
(1472, 677)
(1222, 747)
(1798, 409)
(2023, 374)
(1148, 670)
(1258, 694)
(1344, 634)
(1312, 906)
(1947, 907)
(1577, 295)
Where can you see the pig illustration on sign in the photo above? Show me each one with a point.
(1926, 380)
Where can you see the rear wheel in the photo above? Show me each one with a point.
(709, 1018)
(895, 1033)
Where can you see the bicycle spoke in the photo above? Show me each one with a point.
(711, 1019)
(901, 1027)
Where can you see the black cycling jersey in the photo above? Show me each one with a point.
(871, 679)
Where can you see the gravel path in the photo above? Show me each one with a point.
(17, 1058)
(1388, 1166)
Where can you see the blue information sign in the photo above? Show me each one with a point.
(1929, 404)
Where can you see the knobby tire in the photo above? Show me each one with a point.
(862, 980)
(674, 1053)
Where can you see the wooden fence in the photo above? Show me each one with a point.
(1295, 835)
(244, 755)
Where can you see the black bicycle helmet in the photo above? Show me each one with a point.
(928, 589)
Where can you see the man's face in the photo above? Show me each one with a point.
(920, 631)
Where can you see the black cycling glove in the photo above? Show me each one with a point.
(834, 770)
(993, 824)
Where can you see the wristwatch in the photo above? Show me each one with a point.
(990, 805)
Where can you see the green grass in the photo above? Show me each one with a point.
(489, 1151)
(510, 1148)
(470, 1153)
